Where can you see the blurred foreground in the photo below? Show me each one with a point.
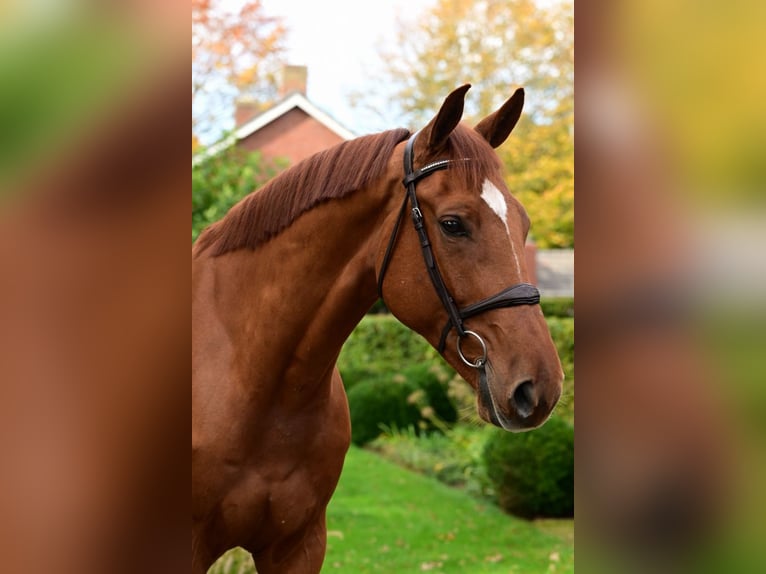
(94, 324)
(670, 283)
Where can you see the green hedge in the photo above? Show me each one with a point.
(562, 333)
(382, 350)
(432, 380)
(381, 345)
(381, 340)
(557, 306)
(533, 472)
(220, 181)
(413, 398)
(380, 402)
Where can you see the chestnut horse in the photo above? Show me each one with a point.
(279, 284)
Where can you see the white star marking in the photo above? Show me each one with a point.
(493, 197)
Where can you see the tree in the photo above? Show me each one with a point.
(221, 180)
(495, 45)
(236, 49)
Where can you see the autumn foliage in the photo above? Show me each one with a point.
(236, 49)
(496, 45)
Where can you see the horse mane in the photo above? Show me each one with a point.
(331, 174)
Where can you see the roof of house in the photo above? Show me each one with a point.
(293, 100)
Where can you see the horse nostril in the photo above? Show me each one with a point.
(524, 399)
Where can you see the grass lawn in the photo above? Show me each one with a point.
(387, 519)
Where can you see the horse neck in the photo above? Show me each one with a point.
(296, 298)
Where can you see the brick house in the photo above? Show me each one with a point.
(291, 128)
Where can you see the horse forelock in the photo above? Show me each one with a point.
(329, 174)
(465, 143)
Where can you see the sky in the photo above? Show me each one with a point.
(338, 41)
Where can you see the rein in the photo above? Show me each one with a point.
(519, 294)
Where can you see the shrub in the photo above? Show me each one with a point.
(356, 373)
(220, 181)
(381, 346)
(432, 379)
(452, 457)
(562, 333)
(557, 306)
(378, 308)
(378, 402)
(382, 339)
(415, 398)
(533, 473)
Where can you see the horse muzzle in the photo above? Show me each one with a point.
(525, 405)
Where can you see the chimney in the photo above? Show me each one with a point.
(294, 79)
(246, 109)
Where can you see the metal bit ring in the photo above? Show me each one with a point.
(480, 361)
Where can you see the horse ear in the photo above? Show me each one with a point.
(498, 126)
(438, 129)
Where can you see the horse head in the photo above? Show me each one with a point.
(456, 273)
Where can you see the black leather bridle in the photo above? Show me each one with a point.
(520, 294)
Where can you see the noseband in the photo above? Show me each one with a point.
(520, 294)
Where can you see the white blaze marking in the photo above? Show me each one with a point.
(496, 202)
(494, 198)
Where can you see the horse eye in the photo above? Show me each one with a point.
(453, 226)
